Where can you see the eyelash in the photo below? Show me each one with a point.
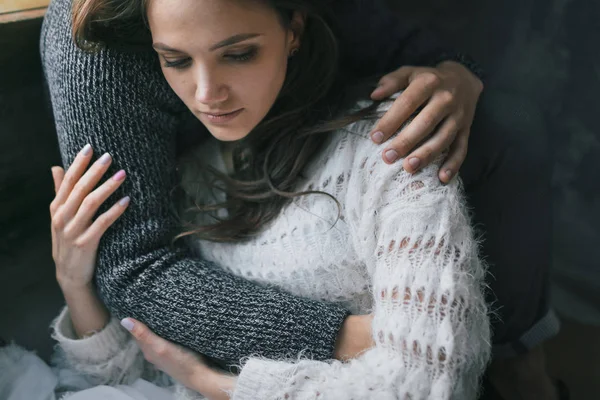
(240, 58)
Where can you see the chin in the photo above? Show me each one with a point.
(228, 135)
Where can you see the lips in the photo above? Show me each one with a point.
(217, 117)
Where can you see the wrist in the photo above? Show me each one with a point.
(457, 67)
(68, 286)
(212, 384)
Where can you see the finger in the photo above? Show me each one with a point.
(106, 220)
(456, 157)
(392, 83)
(90, 205)
(85, 185)
(138, 330)
(428, 151)
(418, 130)
(58, 174)
(73, 174)
(415, 95)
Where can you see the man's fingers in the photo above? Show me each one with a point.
(415, 95)
(456, 157)
(418, 130)
(58, 173)
(392, 83)
(428, 151)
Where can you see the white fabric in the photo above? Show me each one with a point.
(138, 390)
(402, 249)
(108, 358)
(24, 376)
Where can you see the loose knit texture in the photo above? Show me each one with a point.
(401, 249)
(119, 103)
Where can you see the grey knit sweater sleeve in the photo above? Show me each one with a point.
(119, 103)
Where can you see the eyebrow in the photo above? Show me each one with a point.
(227, 42)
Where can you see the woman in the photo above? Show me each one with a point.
(301, 178)
(117, 100)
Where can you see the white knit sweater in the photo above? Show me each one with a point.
(402, 249)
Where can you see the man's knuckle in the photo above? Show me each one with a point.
(431, 79)
(402, 144)
(446, 97)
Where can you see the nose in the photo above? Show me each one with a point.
(210, 89)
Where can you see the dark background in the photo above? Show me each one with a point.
(544, 52)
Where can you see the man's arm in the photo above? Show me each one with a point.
(375, 41)
(119, 103)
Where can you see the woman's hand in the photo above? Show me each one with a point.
(181, 364)
(448, 95)
(75, 233)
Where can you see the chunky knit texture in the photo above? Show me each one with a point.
(119, 103)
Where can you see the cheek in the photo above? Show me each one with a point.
(180, 84)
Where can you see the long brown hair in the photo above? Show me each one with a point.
(313, 101)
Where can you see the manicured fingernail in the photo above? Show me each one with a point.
(127, 324)
(87, 149)
(377, 137)
(104, 159)
(448, 173)
(414, 162)
(391, 155)
(119, 175)
(124, 201)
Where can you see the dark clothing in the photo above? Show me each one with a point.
(507, 181)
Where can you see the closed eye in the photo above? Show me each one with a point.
(179, 64)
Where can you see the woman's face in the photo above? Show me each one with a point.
(226, 59)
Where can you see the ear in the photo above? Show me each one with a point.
(297, 29)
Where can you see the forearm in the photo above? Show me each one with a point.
(88, 314)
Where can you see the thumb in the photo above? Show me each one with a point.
(138, 330)
(392, 83)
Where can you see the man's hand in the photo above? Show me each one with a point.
(448, 95)
(180, 363)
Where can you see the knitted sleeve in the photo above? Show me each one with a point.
(430, 325)
(109, 357)
(119, 103)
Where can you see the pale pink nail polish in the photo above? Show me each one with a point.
(127, 324)
(104, 159)
(119, 175)
(87, 149)
(124, 201)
